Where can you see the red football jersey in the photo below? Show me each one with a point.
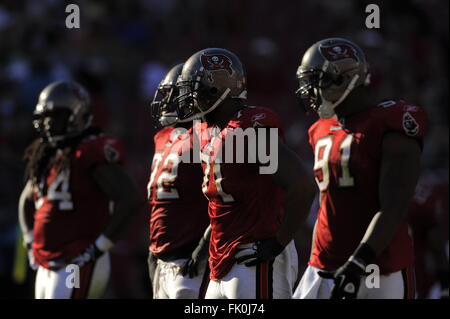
(347, 167)
(71, 209)
(244, 205)
(178, 208)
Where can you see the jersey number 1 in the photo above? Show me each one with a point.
(217, 178)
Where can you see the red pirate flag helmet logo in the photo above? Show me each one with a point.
(216, 62)
(338, 52)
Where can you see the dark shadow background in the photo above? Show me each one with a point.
(124, 48)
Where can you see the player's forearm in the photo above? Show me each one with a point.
(382, 229)
(297, 207)
(398, 179)
(387, 221)
(26, 211)
(207, 233)
(122, 217)
(123, 191)
(25, 217)
(299, 189)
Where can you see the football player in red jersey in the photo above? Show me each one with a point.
(253, 216)
(74, 183)
(178, 209)
(367, 160)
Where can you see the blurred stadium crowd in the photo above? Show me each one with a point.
(124, 48)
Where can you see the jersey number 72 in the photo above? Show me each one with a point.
(165, 181)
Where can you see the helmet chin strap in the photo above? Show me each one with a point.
(212, 108)
(71, 125)
(326, 109)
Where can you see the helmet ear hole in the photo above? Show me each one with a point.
(213, 91)
(339, 79)
(86, 117)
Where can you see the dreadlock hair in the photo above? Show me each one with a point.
(41, 155)
(37, 154)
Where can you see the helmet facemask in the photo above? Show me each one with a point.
(60, 123)
(311, 82)
(163, 106)
(38, 124)
(187, 100)
(195, 100)
(53, 125)
(322, 91)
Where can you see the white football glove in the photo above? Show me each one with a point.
(28, 241)
(31, 260)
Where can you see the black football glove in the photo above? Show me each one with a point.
(190, 267)
(90, 254)
(262, 251)
(346, 280)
